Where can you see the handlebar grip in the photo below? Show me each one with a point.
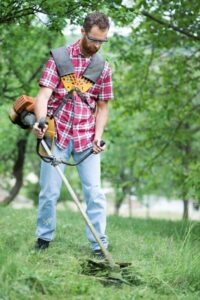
(41, 123)
(102, 143)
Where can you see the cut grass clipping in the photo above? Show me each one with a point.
(121, 273)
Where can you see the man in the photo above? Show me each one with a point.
(77, 130)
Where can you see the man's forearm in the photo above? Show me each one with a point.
(40, 109)
(101, 120)
(41, 103)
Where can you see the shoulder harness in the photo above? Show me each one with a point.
(66, 70)
(73, 83)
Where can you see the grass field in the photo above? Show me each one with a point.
(165, 258)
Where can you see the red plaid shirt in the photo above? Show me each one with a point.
(79, 124)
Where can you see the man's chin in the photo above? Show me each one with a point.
(90, 52)
(93, 52)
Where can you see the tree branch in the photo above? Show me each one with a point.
(35, 73)
(174, 27)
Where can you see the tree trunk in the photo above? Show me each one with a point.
(17, 171)
(188, 149)
(117, 207)
(130, 206)
(185, 209)
(119, 200)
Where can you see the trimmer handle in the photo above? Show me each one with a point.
(41, 123)
(102, 143)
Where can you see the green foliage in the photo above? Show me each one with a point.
(8, 135)
(22, 63)
(154, 123)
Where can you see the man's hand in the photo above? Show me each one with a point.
(96, 146)
(39, 132)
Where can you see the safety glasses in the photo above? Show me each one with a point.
(91, 39)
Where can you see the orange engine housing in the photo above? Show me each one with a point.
(24, 102)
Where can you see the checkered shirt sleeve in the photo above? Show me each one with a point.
(106, 89)
(50, 77)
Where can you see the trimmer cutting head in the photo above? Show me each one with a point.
(120, 273)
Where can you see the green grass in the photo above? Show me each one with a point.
(165, 255)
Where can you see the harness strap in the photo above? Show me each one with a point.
(71, 96)
(63, 61)
(84, 99)
(95, 68)
(63, 102)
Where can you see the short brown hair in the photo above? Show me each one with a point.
(96, 18)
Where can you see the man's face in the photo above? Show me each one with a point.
(91, 42)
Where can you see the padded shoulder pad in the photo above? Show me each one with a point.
(63, 61)
(95, 68)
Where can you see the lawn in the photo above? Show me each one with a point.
(165, 259)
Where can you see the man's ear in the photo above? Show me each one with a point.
(82, 31)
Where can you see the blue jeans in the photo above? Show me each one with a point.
(50, 186)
